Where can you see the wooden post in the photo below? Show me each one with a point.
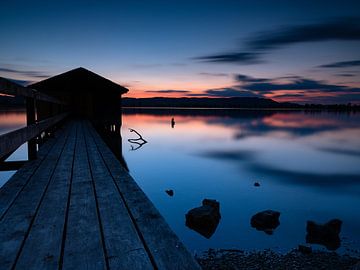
(30, 119)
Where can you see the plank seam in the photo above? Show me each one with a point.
(97, 206)
(63, 240)
(27, 181)
(147, 249)
(38, 206)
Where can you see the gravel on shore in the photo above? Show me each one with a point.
(267, 259)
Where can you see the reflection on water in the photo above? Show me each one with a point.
(308, 165)
(9, 121)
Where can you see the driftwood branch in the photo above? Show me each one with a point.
(139, 141)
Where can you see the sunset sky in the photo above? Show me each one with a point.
(306, 51)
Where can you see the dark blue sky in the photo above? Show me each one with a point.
(306, 51)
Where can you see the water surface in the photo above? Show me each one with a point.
(307, 164)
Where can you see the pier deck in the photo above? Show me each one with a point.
(76, 207)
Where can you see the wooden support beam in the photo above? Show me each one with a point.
(12, 140)
(30, 120)
(13, 89)
(11, 165)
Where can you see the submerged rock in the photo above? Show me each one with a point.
(266, 221)
(169, 192)
(204, 219)
(257, 184)
(324, 234)
(305, 249)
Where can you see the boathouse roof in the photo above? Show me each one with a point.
(79, 80)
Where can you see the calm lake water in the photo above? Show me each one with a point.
(307, 164)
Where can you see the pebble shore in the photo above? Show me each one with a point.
(267, 259)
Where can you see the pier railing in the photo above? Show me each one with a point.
(9, 142)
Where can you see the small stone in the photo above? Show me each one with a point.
(266, 221)
(305, 249)
(324, 234)
(204, 219)
(169, 192)
(257, 184)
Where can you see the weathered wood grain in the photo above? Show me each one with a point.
(42, 248)
(83, 241)
(124, 247)
(165, 247)
(17, 221)
(11, 189)
(76, 207)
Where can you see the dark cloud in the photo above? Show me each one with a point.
(238, 57)
(345, 75)
(30, 73)
(341, 29)
(299, 83)
(338, 30)
(257, 87)
(167, 91)
(213, 74)
(249, 79)
(343, 64)
(226, 92)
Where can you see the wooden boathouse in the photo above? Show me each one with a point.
(73, 205)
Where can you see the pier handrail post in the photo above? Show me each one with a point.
(31, 119)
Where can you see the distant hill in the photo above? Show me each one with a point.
(6, 101)
(235, 102)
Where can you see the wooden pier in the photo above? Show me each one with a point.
(74, 206)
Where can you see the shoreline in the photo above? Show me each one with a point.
(268, 259)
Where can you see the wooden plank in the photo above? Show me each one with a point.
(42, 248)
(83, 241)
(10, 190)
(12, 140)
(124, 247)
(17, 221)
(13, 89)
(165, 247)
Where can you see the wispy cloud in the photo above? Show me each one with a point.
(167, 91)
(232, 57)
(298, 84)
(345, 75)
(226, 92)
(343, 64)
(29, 73)
(210, 74)
(261, 43)
(248, 79)
(294, 88)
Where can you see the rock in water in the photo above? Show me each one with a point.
(324, 234)
(305, 249)
(257, 184)
(266, 221)
(204, 219)
(169, 192)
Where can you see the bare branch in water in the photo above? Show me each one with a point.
(139, 141)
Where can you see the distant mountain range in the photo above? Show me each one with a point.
(235, 102)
